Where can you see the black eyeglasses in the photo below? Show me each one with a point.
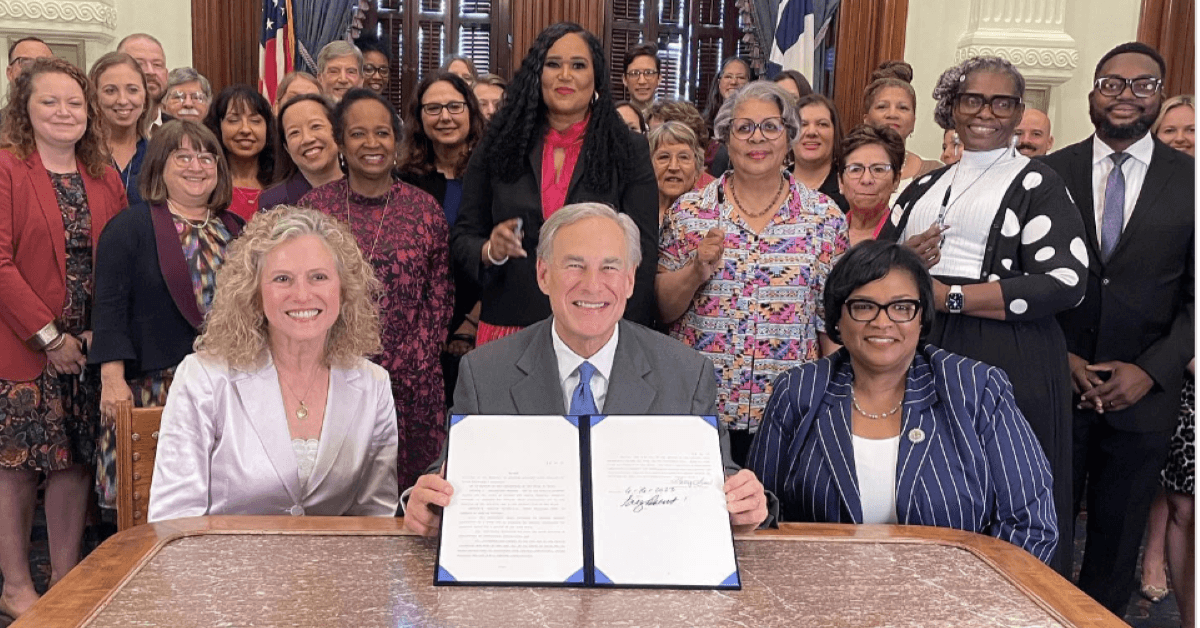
(971, 103)
(636, 74)
(381, 70)
(1113, 86)
(866, 310)
(434, 109)
(743, 128)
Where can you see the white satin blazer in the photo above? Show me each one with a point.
(224, 446)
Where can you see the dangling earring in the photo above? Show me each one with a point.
(342, 162)
(595, 97)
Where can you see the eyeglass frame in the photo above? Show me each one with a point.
(383, 71)
(886, 169)
(990, 103)
(181, 96)
(636, 74)
(24, 61)
(427, 109)
(1127, 83)
(884, 307)
(184, 160)
(757, 126)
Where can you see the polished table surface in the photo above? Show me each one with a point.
(346, 571)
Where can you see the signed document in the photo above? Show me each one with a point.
(612, 500)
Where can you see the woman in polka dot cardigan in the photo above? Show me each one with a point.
(1012, 256)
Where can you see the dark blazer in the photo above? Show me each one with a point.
(1140, 306)
(33, 257)
(286, 192)
(146, 312)
(968, 458)
(510, 292)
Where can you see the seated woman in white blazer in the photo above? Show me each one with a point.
(278, 412)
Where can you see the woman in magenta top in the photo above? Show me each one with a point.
(557, 140)
(242, 119)
(871, 160)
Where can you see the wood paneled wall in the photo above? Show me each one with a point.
(530, 17)
(225, 36)
(868, 32)
(1170, 26)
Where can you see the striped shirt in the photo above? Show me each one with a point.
(968, 459)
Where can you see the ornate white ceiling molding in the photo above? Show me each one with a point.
(1029, 33)
(54, 13)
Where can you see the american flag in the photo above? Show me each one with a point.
(275, 55)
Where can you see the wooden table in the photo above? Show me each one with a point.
(362, 572)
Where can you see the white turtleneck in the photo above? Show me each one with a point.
(977, 186)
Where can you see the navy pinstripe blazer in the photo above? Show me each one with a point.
(975, 465)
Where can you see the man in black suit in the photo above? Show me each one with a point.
(1132, 335)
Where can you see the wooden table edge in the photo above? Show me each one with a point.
(89, 588)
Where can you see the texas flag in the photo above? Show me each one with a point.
(275, 55)
(794, 43)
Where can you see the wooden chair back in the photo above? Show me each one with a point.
(137, 441)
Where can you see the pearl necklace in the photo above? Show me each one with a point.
(881, 415)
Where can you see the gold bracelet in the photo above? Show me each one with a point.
(44, 337)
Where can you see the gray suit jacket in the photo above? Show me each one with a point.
(652, 374)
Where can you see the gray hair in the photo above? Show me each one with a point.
(766, 91)
(335, 49)
(571, 214)
(179, 76)
(953, 81)
(675, 132)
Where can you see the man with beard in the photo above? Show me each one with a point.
(148, 53)
(1033, 134)
(188, 95)
(1132, 336)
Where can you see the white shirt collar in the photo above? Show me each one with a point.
(1140, 150)
(569, 361)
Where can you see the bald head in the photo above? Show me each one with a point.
(1033, 134)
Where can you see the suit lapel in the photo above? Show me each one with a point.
(47, 202)
(539, 392)
(835, 440)
(1080, 186)
(346, 394)
(628, 391)
(535, 162)
(263, 402)
(173, 265)
(1158, 178)
(918, 430)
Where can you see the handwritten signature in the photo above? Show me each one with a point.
(638, 504)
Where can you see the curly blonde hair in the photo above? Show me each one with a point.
(17, 130)
(235, 329)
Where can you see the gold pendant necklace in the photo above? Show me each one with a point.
(302, 411)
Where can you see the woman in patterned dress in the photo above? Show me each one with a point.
(57, 191)
(403, 234)
(155, 277)
(1012, 256)
(743, 262)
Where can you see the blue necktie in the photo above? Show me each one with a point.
(582, 401)
(1114, 207)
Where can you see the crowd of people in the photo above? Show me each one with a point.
(990, 341)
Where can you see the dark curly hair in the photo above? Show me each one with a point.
(416, 154)
(607, 143)
(17, 130)
(247, 97)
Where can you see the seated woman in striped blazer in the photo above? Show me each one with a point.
(885, 431)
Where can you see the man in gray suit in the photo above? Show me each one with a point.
(587, 256)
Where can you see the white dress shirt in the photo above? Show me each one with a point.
(1135, 174)
(568, 367)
